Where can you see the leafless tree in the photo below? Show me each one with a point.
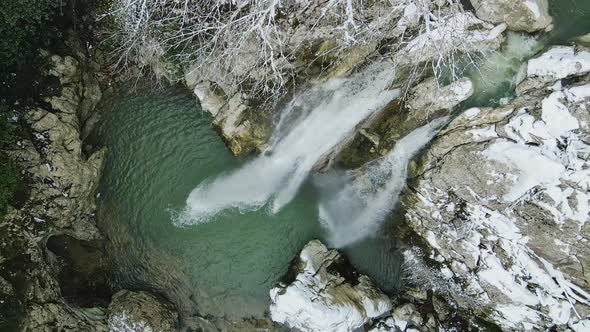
(253, 43)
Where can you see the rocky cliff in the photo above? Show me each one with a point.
(497, 205)
(501, 201)
(495, 211)
(412, 34)
(54, 271)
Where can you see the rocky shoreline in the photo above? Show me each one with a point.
(54, 271)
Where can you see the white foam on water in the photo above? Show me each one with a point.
(356, 209)
(501, 67)
(313, 123)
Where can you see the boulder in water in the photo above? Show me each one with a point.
(141, 311)
(583, 40)
(519, 15)
(326, 294)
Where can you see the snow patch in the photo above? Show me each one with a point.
(559, 62)
(320, 301)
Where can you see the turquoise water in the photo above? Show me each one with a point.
(161, 146)
(571, 18)
(496, 73)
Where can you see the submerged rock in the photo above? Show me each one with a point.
(141, 312)
(501, 203)
(519, 15)
(325, 294)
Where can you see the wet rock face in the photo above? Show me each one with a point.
(519, 15)
(324, 293)
(84, 271)
(141, 312)
(501, 202)
(64, 179)
(426, 101)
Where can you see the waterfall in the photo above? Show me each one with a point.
(311, 125)
(355, 203)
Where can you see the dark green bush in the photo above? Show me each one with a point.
(24, 28)
(9, 171)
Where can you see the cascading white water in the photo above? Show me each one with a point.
(313, 123)
(353, 207)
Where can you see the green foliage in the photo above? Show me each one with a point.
(24, 28)
(9, 171)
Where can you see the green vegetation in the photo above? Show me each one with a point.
(9, 171)
(24, 28)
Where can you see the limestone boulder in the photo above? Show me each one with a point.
(324, 293)
(519, 15)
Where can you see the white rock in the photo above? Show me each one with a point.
(322, 300)
(519, 15)
(559, 62)
(461, 32)
(210, 100)
(514, 237)
(429, 96)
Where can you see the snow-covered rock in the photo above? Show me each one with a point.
(456, 32)
(429, 96)
(502, 201)
(319, 47)
(326, 294)
(406, 318)
(559, 62)
(519, 15)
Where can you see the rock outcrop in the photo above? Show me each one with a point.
(244, 118)
(141, 312)
(426, 101)
(54, 269)
(500, 201)
(519, 15)
(583, 40)
(324, 293)
(47, 239)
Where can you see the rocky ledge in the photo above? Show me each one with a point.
(244, 119)
(323, 292)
